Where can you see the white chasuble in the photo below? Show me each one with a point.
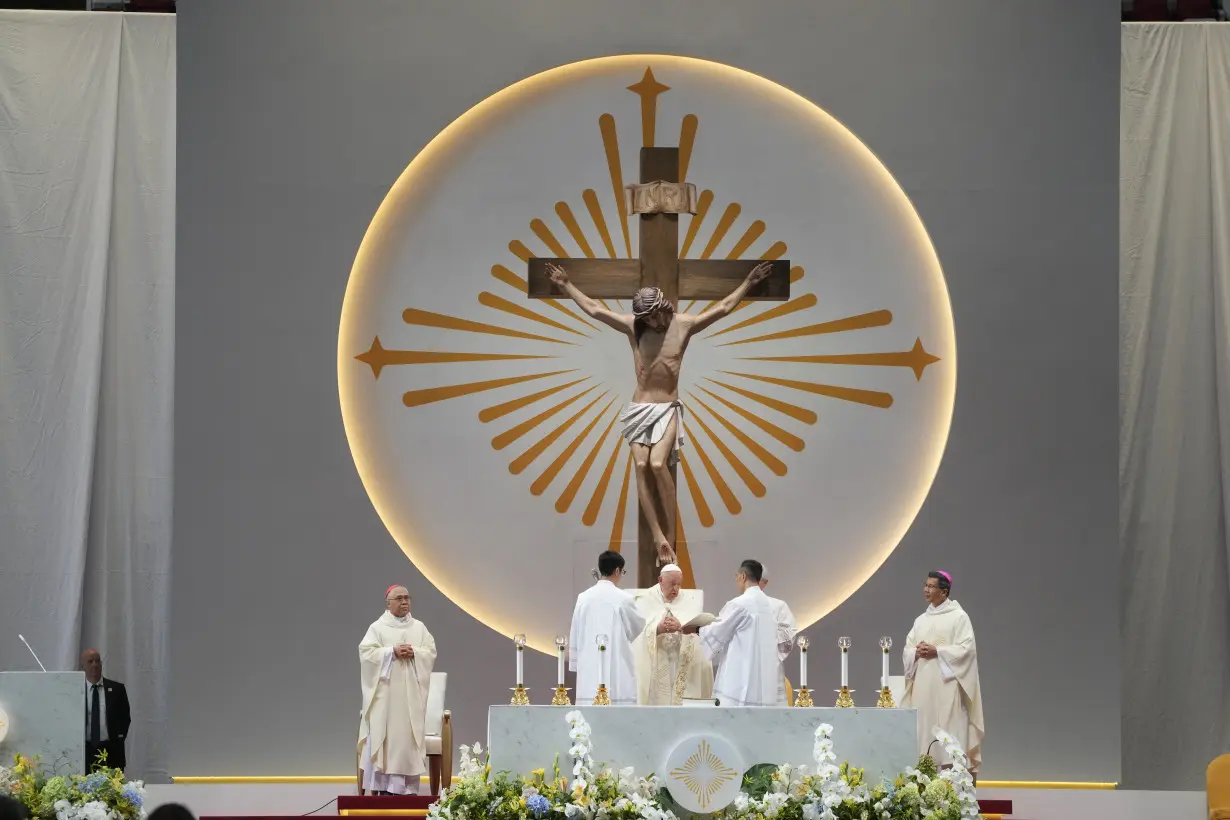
(670, 666)
(392, 743)
(604, 609)
(944, 689)
(742, 643)
(787, 629)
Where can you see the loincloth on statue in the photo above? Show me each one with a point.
(646, 423)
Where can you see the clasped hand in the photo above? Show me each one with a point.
(925, 650)
(403, 651)
(669, 624)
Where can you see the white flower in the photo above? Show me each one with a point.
(741, 801)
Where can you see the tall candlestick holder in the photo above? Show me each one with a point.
(803, 696)
(561, 691)
(602, 697)
(844, 701)
(521, 695)
(886, 695)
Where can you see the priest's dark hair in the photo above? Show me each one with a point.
(12, 809)
(753, 568)
(941, 581)
(172, 811)
(608, 562)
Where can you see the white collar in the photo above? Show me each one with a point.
(389, 619)
(948, 606)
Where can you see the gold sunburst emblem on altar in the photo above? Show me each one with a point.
(703, 774)
(725, 405)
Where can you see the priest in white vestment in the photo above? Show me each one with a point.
(395, 659)
(787, 629)
(605, 609)
(670, 666)
(742, 643)
(941, 673)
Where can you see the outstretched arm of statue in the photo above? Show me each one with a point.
(591, 307)
(726, 306)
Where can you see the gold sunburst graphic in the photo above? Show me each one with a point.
(572, 405)
(703, 774)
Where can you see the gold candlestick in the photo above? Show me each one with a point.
(601, 697)
(844, 701)
(886, 696)
(802, 697)
(520, 693)
(561, 697)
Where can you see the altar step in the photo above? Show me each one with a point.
(394, 808)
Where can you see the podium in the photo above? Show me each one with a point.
(44, 715)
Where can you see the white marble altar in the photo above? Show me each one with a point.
(46, 717)
(523, 738)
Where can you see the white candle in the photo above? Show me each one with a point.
(602, 664)
(802, 668)
(884, 670)
(560, 668)
(520, 667)
(845, 669)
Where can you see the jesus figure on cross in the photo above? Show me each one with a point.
(653, 423)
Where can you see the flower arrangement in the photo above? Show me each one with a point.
(785, 792)
(593, 792)
(101, 795)
(842, 792)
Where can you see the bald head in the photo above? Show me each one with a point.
(91, 664)
(397, 601)
(670, 580)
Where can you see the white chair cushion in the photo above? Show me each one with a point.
(435, 746)
(896, 686)
(434, 719)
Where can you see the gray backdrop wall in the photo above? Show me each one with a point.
(295, 118)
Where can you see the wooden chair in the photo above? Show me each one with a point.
(1217, 785)
(438, 724)
(439, 727)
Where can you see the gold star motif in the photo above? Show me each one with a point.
(704, 774)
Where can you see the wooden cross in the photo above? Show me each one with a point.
(659, 266)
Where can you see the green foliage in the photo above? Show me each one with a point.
(758, 780)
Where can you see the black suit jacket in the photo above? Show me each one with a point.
(119, 719)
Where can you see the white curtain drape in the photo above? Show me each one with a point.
(1174, 381)
(87, 247)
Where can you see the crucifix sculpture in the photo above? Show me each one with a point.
(653, 422)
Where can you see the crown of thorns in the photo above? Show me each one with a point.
(648, 300)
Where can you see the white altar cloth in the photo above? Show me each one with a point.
(523, 738)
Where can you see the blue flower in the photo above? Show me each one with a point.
(538, 805)
(94, 782)
(133, 795)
